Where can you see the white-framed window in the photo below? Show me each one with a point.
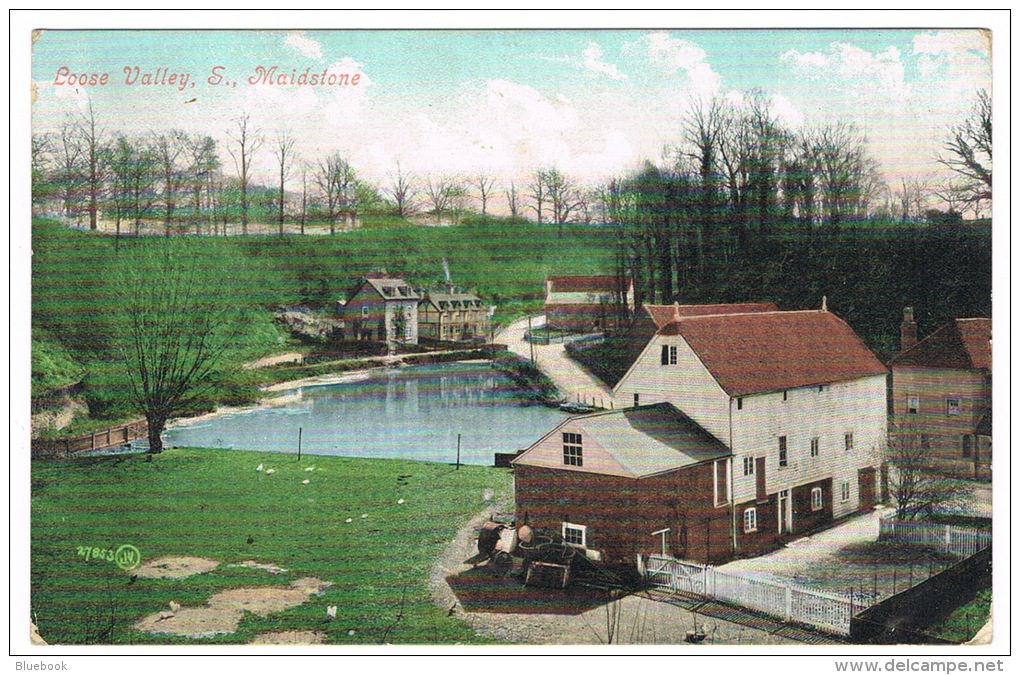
(816, 499)
(848, 441)
(749, 466)
(364, 312)
(844, 491)
(575, 535)
(783, 458)
(913, 403)
(572, 452)
(668, 355)
(751, 520)
(952, 406)
(814, 447)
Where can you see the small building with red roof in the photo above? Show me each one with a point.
(942, 389)
(588, 303)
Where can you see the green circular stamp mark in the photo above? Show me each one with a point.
(127, 557)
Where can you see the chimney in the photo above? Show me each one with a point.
(908, 330)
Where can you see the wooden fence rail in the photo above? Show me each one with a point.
(955, 540)
(829, 612)
(97, 440)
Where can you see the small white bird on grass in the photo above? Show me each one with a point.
(311, 468)
(349, 520)
(270, 472)
(400, 501)
(331, 611)
(364, 515)
(305, 482)
(258, 468)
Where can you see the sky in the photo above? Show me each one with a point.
(595, 104)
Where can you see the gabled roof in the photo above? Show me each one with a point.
(761, 352)
(585, 284)
(447, 300)
(392, 288)
(663, 315)
(964, 344)
(636, 442)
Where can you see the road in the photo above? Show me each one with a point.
(573, 381)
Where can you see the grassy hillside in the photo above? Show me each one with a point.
(211, 503)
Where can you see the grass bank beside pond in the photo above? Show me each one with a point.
(214, 504)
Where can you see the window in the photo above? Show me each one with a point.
(816, 499)
(575, 535)
(952, 406)
(844, 491)
(749, 466)
(814, 446)
(912, 404)
(751, 520)
(966, 445)
(782, 451)
(848, 441)
(668, 355)
(740, 403)
(721, 469)
(637, 400)
(572, 455)
(784, 395)
(364, 311)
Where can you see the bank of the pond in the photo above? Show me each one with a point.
(371, 528)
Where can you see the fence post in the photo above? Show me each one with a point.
(948, 539)
(789, 602)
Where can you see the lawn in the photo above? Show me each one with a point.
(214, 504)
(964, 622)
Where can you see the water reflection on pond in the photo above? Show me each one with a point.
(410, 413)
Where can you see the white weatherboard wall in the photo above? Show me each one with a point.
(688, 385)
(856, 406)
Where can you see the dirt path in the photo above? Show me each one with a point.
(573, 381)
(634, 619)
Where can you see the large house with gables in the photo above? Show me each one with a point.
(796, 399)
(942, 390)
(452, 314)
(382, 308)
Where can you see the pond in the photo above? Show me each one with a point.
(408, 413)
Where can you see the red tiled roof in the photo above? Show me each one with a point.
(759, 352)
(582, 284)
(964, 344)
(666, 314)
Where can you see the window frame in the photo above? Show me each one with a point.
(583, 529)
(573, 449)
(817, 499)
(816, 447)
(844, 491)
(750, 520)
(954, 409)
(748, 465)
(784, 452)
(848, 441)
(915, 408)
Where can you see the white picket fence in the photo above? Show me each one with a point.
(830, 612)
(962, 542)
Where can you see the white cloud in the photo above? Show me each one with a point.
(787, 112)
(850, 68)
(594, 62)
(307, 47)
(673, 55)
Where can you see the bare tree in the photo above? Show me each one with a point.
(70, 172)
(512, 200)
(169, 148)
(485, 184)
(93, 150)
(918, 489)
(283, 152)
(563, 195)
(336, 179)
(42, 167)
(175, 335)
(248, 141)
(204, 162)
(955, 193)
(404, 191)
(538, 192)
(444, 194)
(968, 152)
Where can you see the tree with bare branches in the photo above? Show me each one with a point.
(337, 179)
(512, 200)
(444, 194)
(93, 143)
(968, 152)
(403, 190)
(284, 154)
(919, 490)
(485, 184)
(248, 141)
(169, 148)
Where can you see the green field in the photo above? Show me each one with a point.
(211, 503)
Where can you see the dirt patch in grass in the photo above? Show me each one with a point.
(224, 610)
(251, 564)
(291, 637)
(172, 567)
